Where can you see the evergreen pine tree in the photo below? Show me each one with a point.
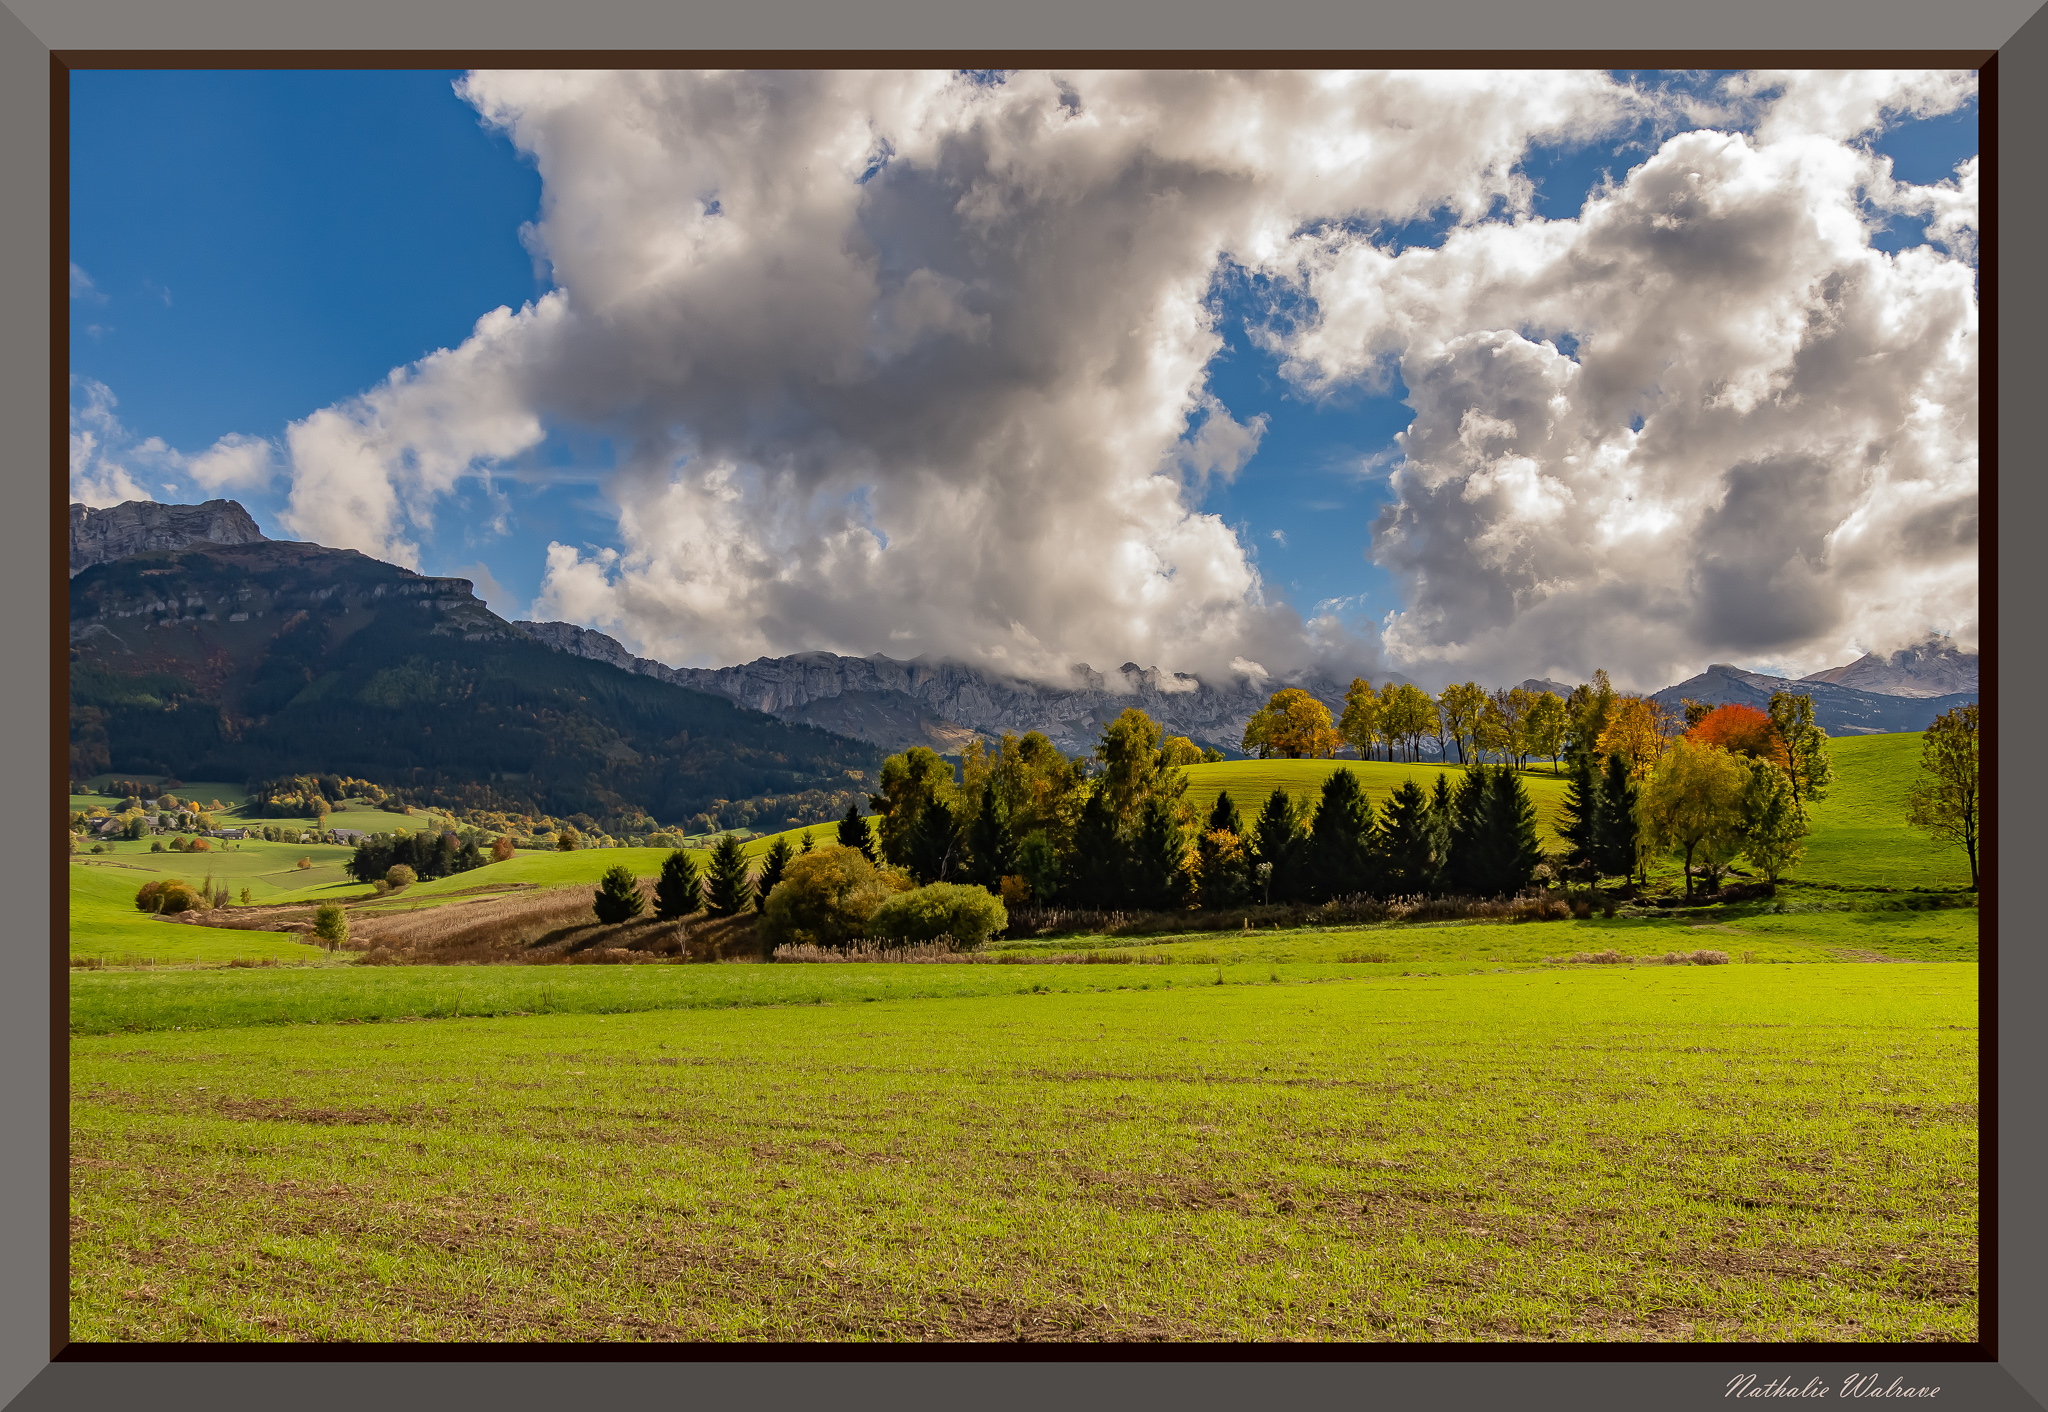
(855, 833)
(1100, 877)
(990, 851)
(618, 896)
(1508, 823)
(727, 888)
(1578, 822)
(1409, 850)
(1224, 818)
(1615, 847)
(807, 844)
(1277, 841)
(776, 859)
(677, 892)
(934, 845)
(1156, 848)
(1338, 854)
(1467, 864)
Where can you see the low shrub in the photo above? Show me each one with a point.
(400, 876)
(967, 914)
(168, 895)
(827, 897)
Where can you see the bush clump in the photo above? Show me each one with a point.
(167, 896)
(970, 915)
(399, 875)
(827, 897)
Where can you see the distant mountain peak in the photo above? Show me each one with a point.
(1935, 667)
(142, 526)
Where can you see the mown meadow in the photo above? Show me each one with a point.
(1403, 1132)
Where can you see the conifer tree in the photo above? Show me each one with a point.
(1223, 816)
(1614, 849)
(1156, 848)
(1513, 848)
(932, 848)
(1340, 845)
(618, 896)
(677, 892)
(776, 859)
(1100, 877)
(1578, 822)
(854, 833)
(727, 888)
(1408, 843)
(990, 849)
(1466, 866)
(1277, 841)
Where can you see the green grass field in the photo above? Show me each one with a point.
(1860, 837)
(1689, 1154)
(105, 926)
(269, 870)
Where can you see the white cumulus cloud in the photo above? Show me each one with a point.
(1763, 446)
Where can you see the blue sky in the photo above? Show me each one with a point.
(263, 244)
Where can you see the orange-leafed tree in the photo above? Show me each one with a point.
(1740, 730)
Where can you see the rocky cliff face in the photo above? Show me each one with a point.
(943, 704)
(1933, 668)
(139, 526)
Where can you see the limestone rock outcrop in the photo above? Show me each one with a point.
(139, 526)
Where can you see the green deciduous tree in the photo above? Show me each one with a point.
(1806, 746)
(909, 784)
(618, 896)
(1694, 803)
(678, 892)
(827, 897)
(1038, 863)
(1944, 801)
(1773, 824)
(1544, 730)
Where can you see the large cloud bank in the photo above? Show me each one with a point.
(916, 363)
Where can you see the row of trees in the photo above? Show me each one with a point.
(429, 855)
(1509, 725)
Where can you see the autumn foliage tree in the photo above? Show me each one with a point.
(1292, 725)
(1740, 730)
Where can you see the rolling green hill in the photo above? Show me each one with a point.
(105, 925)
(1860, 837)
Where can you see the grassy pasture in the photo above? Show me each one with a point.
(269, 870)
(203, 792)
(104, 1002)
(104, 924)
(1726, 1153)
(1860, 837)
